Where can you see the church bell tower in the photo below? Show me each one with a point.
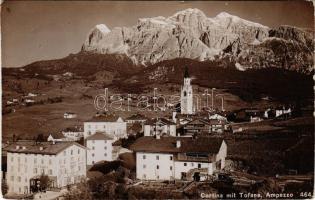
(186, 97)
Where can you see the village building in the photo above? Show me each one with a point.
(186, 97)
(73, 133)
(56, 137)
(69, 115)
(181, 158)
(99, 148)
(136, 118)
(159, 126)
(283, 110)
(200, 126)
(112, 125)
(64, 163)
(196, 126)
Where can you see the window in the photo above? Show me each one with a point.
(25, 159)
(144, 176)
(192, 164)
(93, 162)
(144, 166)
(92, 154)
(157, 177)
(157, 167)
(78, 151)
(35, 170)
(50, 161)
(105, 154)
(64, 153)
(158, 157)
(18, 159)
(12, 159)
(93, 148)
(35, 160)
(12, 178)
(42, 161)
(171, 157)
(185, 164)
(199, 165)
(93, 141)
(105, 141)
(143, 157)
(171, 168)
(104, 126)
(105, 147)
(71, 152)
(50, 172)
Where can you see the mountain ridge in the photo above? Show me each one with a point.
(191, 34)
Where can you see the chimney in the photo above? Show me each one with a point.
(24, 147)
(17, 147)
(41, 148)
(178, 144)
(157, 136)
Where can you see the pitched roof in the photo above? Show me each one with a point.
(73, 129)
(198, 121)
(104, 118)
(159, 120)
(47, 147)
(57, 135)
(99, 136)
(168, 145)
(137, 117)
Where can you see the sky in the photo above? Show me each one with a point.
(43, 30)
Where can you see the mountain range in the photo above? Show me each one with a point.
(225, 52)
(191, 34)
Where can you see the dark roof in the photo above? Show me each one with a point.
(198, 121)
(99, 136)
(137, 117)
(33, 148)
(117, 143)
(73, 129)
(159, 120)
(57, 135)
(104, 118)
(216, 121)
(168, 145)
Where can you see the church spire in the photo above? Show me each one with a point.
(186, 74)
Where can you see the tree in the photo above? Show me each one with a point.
(40, 138)
(4, 188)
(44, 182)
(79, 191)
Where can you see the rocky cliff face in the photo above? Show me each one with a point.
(191, 34)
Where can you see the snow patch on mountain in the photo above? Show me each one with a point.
(103, 28)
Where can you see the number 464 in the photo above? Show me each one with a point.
(306, 194)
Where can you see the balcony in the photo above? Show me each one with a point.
(184, 157)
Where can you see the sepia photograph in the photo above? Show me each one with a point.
(157, 100)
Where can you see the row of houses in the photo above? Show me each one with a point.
(170, 148)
